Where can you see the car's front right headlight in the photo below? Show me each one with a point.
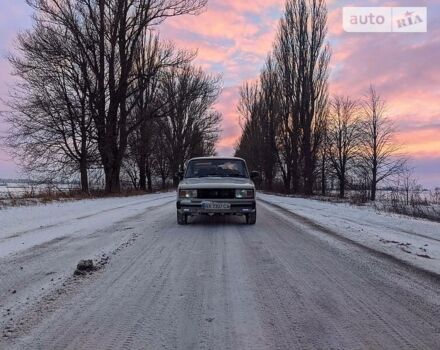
(188, 193)
(242, 194)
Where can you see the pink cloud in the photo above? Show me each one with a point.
(227, 105)
(401, 67)
(335, 22)
(215, 24)
(257, 6)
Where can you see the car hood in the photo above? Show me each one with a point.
(216, 182)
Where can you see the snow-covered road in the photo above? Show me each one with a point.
(215, 284)
(25, 227)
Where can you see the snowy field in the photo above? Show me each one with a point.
(20, 189)
(412, 240)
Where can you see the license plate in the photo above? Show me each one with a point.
(216, 206)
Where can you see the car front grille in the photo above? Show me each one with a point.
(216, 194)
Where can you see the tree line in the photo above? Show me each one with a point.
(298, 135)
(101, 92)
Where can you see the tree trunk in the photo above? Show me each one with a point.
(342, 187)
(323, 178)
(149, 179)
(83, 159)
(112, 179)
(269, 182)
(373, 190)
(308, 177)
(294, 172)
(84, 176)
(142, 181)
(174, 171)
(374, 184)
(142, 174)
(308, 163)
(288, 181)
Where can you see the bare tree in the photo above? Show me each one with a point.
(287, 140)
(153, 59)
(323, 156)
(259, 109)
(302, 57)
(160, 161)
(249, 145)
(381, 156)
(51, 126)
(190, 125)
(286, 54)
(269, 120)
(408, 183)
(343, 137)
(108, 34)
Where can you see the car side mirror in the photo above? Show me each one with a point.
(255, 175)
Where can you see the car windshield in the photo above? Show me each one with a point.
(216, 168)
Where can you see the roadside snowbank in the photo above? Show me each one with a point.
(24, 227)
(414, 241)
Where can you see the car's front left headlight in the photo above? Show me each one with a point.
(188, 193)
(241, 194)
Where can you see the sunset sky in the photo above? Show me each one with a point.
(233, 38)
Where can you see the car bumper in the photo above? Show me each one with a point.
(238, 207)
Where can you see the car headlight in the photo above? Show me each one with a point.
(244, 193)
(188, 193)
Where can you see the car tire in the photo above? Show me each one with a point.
(182, 219)
(251, 219)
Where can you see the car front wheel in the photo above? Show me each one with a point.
(182, 219)
(251, 219)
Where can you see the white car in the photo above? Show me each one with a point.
(216, 186)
